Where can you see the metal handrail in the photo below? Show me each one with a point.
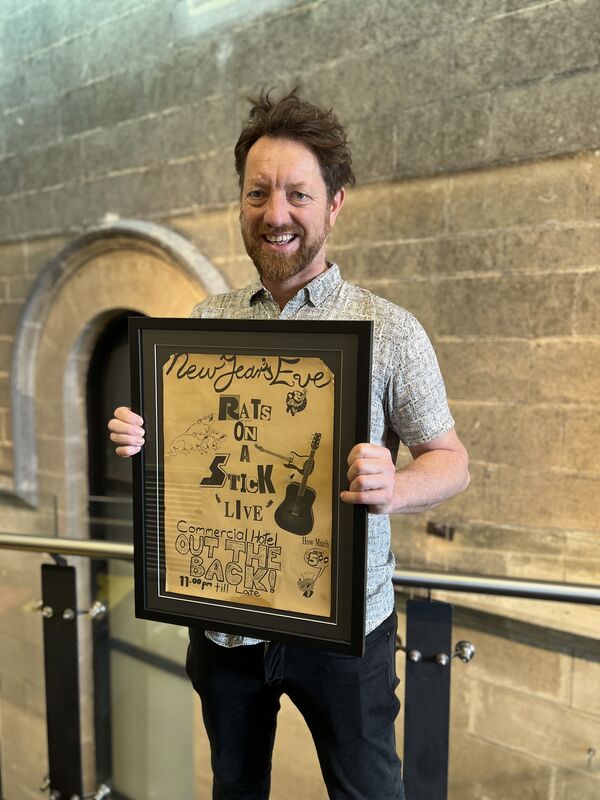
(507, 587)
(440, 581)
(92, 548)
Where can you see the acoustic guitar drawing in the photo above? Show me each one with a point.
(295, 513)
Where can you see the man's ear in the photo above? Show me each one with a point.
(336, 205)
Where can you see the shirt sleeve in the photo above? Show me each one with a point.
(417, 406)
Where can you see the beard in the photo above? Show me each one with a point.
(278, 267)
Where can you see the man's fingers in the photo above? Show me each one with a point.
(120, 427)
(374, 498)
(368, 483)
(365, 450)
(369, 466)
(126, 439)
(126, 452)
(125, 414)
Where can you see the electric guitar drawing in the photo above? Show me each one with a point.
(295, 513)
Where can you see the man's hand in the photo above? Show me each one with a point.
(440, 470)
(126, 431)
(371, 478)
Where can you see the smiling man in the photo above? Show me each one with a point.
(294, 163)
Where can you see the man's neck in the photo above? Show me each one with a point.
(283, 291)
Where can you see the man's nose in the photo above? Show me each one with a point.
(276, 211)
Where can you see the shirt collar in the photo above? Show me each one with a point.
(317, 291)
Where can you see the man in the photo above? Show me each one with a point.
(293, 164)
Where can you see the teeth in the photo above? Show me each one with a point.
(287, 237)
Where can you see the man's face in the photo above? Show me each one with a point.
(285, 215)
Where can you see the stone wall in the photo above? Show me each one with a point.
(475, 139)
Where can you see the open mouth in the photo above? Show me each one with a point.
(280, 240)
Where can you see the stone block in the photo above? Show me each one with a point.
(212, 125)
(546, 118)
(57, 164)
(496, 371)
(478, 56)
(572, 785)
(270, 36)
(185, 184)
(546, 248)
(215, 181)
(581, 435)
(19, 618)
(42, 80)
(17, 289)
(466, 124)
(586, 679)
(500, 717)
(471, 253)
(419, 136)
(565, 371)
(513, 434)
(188, 75)
(238, 271)
(31, 29)
(101, 104)
(39, 211)
(539, 498)
(134, 38)
(362, 264)
(12, 260)
(67, 207)
(51, 452)
(6, 458)
(587, 319)
(5, 426)
(371, 163)
(9, 316)
(540, 193)
(528, 306)
(175, 132)
(543, 673)
(11, 169)
(392, 212)
(543, 41)
(6, 222)
(6, 344)
(39, 251)
(482, 769)
(33, 125)
(578, 570)
(379, 21)
(412, 295)
(510, 539)
(68, 64)
(23, 656)
(210, 230)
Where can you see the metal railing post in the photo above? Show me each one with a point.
(61, 659)
(427, 699)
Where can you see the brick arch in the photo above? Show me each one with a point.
(130, 264)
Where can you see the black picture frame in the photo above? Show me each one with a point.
(161, 348)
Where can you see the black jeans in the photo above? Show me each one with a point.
(349, 705)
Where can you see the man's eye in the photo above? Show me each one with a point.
(255, 194)
(299, 196)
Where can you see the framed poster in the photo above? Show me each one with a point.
(238, 525)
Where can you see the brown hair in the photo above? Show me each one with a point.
(301, 121)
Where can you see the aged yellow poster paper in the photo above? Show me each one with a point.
(248, 474)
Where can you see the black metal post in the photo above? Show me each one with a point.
(427, 699)
(62, 680)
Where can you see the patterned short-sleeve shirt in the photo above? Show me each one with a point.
(408, 398)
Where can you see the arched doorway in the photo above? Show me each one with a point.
(77, 297)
